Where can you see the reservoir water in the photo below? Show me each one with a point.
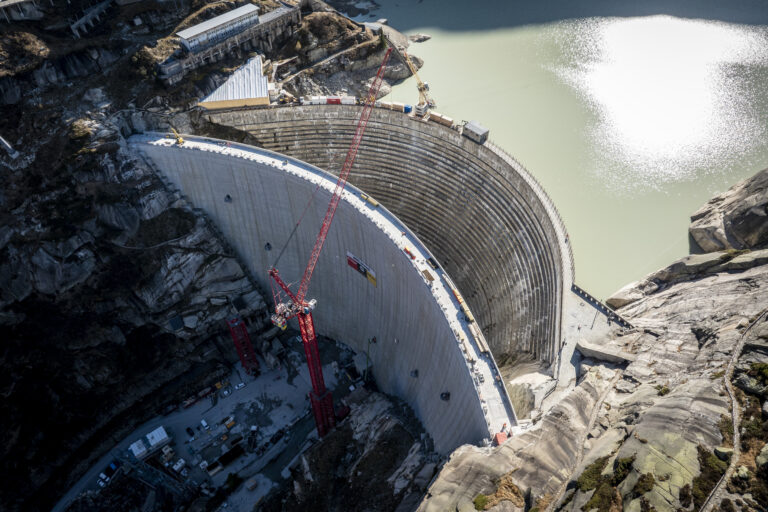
(631, 114)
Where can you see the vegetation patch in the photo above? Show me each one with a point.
(645, 506)
(79, 130)
(506, 491)
(711, 469)
(621, 469)
(480, 501)
(760, 372)
(662, 390)
(605, 498)
(726, 430)
(643, 485)
(591, 477)
(686, 497)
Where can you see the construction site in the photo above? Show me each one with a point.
(394, 286)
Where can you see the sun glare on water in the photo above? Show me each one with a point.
(669, 92)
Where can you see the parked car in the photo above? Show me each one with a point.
(240, 386)
(190, 431)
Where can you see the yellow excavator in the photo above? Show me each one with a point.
(425, 102)
(176, 136)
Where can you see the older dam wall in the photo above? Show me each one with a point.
(487, 221)
(425, 347)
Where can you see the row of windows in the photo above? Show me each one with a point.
(224, 31)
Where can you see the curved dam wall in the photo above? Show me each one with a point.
(256, 197)
(487, 221)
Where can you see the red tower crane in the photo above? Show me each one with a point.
(297, 306)
(243, 346)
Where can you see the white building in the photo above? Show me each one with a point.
(139, 449)
(158, 438)
(219, 28)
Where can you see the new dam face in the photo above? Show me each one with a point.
(496, 235)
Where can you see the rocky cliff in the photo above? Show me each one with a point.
(655, 433)
(113, 290)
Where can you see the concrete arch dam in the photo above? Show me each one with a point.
(485, 218)
(372, 279)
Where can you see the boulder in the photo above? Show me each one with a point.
(627, 295)
(751, 385)
(762, 459)
(723, 453)
(736, 219)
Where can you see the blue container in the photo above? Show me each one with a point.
(407, 109)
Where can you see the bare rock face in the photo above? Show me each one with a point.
(374, 460)
(96, 260)
(643, 435)
(737, 219)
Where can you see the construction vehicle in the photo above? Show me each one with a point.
(425, 102)
(179, 139)
(296, 304)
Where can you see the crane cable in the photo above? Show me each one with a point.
(296, 227)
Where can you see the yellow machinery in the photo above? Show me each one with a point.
(178, 138)
(425, 102)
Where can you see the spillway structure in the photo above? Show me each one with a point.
(374, 279)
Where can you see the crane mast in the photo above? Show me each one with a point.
(297, 306)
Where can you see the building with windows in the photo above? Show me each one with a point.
(234, 33)
(219, 28)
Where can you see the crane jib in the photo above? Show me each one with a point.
(320, 398)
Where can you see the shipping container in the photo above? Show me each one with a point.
(441, 119)
(408, 109)
(399, 107)
(475, 132)
(370, 200)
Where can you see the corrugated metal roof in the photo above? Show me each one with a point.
(205, 26)
(246, 82)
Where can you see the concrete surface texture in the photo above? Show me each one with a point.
(423, 348)
(485, 218)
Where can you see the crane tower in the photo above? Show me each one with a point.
(296, 305)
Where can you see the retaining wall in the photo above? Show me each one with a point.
(482, 215)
